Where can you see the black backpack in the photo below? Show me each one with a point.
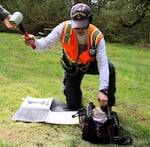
(101, 132)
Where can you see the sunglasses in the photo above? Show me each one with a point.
(82, 28)
(79, 16)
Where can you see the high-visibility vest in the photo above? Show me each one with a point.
(69, 43)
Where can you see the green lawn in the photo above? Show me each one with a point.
(24, 72)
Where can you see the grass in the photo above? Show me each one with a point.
(24, 72)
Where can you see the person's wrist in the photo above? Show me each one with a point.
(104, 91)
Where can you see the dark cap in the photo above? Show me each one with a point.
(80, 14)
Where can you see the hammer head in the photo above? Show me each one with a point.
(16, 18)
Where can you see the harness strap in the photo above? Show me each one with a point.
(124, 140)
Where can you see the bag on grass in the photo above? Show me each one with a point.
(99, 127)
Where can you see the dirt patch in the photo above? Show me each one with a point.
(3, 78)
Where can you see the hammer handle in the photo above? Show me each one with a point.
(26, 34)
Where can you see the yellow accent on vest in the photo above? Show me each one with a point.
(67, 35)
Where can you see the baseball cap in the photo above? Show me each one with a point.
(80, 14)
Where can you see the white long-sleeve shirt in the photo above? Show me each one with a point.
(101, 56)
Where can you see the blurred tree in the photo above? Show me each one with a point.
(119, 20)
(137, 9)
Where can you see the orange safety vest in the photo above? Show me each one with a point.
(69, 43)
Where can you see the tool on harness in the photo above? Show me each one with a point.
(99, 127)
(93, 50)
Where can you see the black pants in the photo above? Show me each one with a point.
(73, 91)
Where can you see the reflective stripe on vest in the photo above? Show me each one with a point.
(95, 36)
(67, 35)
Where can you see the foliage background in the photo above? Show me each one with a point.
(120, 20)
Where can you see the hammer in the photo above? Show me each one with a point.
(16, 20)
